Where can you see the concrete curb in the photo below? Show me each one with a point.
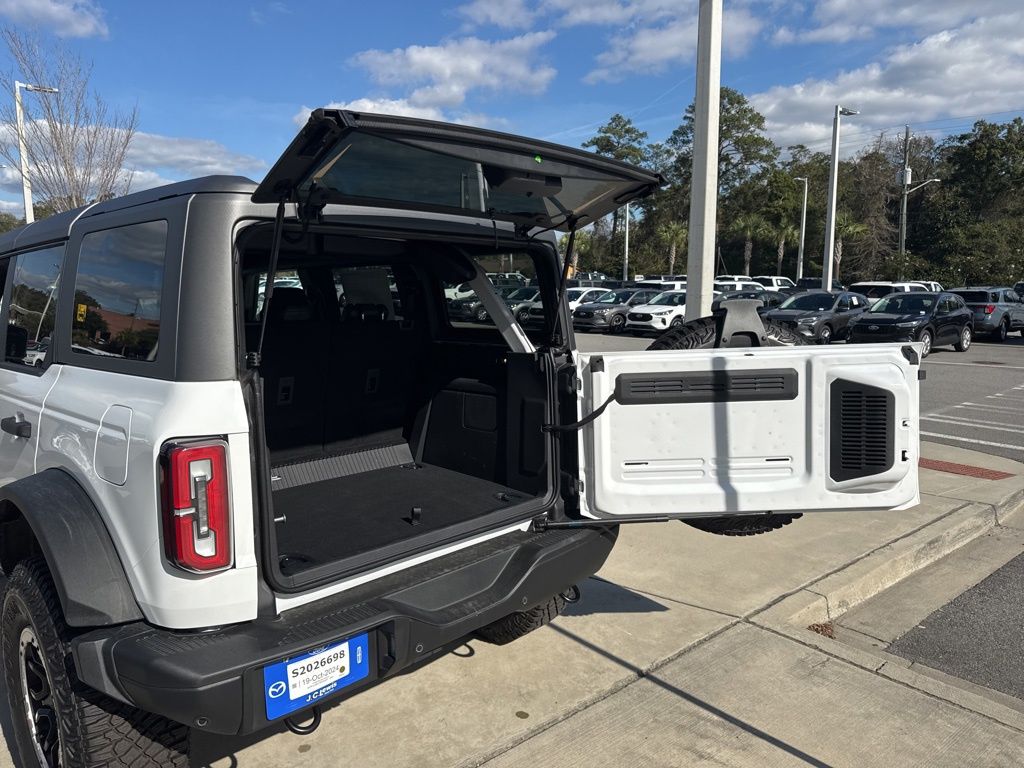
(831, 596)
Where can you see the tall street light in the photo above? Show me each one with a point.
(803, 228)
(26, 185)
(833, 181)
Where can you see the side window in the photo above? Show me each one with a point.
(33, 305)
(844, 304)
(117, 292)
(1013, 297)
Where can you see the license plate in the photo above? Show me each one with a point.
(303, 680)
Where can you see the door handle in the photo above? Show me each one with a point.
(19, 428)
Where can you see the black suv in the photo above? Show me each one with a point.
(930, 318)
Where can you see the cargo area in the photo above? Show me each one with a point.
(388, 428)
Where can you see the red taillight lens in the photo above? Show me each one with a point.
(990, 308)
(197, 517)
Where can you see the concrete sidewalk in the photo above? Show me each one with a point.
(690, 648)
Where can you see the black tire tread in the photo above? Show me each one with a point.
(515, 625)
(98, 730)
(742, 525)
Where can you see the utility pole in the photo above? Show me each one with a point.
(830, 215)
(625, 257)
(700, 257)
(803, 228)
(901, 259)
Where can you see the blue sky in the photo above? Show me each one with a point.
(221, 87)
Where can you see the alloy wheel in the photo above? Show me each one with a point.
(965, 339)
(926, 339)
(40, 707)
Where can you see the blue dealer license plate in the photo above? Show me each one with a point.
(303, 680)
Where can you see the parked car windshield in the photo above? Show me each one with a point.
(977, 297)
(614, 297)
(819, 302)
(672, 298)
(523, 294)
(904, 304)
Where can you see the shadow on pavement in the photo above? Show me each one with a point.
(697, 702)
(602, 596)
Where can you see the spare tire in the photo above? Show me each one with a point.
(700, 334)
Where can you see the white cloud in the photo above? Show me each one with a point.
(652, 49)
(261, 15)
(507, 14)
(15, 207)
(65, 18)
(441, 76)
(845, 20)
(976, 69)
(160, 159)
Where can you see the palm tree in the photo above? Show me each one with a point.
(749, 226)
(846, 228)
(674, 234)
(783, 231)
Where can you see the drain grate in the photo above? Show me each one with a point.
(964, 469)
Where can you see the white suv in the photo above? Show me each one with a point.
(222, 509)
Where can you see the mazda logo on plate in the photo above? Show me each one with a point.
(277, 690)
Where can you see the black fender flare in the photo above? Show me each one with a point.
(86, 569)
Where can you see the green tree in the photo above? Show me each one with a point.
(749, 227)
(674, 234)
(783, 232)
(846, 229)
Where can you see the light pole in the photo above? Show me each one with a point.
(803, 227)
(625, 256)
(830, 215)
(26, 185)
(700, 257)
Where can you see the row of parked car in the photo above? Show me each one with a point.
(865, 312)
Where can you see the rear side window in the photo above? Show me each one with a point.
(117, 292)
(33, 305)
(975, 297)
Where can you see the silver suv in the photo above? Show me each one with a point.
(256, 468)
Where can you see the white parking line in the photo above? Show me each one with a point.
(973, 441)
(976, 365)
(984, 425)
(988, 407)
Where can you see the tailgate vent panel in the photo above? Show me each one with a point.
(862, 430)
(706, 386)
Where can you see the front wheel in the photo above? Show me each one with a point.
(481, 315)
(825, 335)
(57, 720)
(617, 323)
(926, 339)
(964, 342)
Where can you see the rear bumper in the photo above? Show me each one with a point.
(214, 680)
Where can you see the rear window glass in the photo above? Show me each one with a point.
(873, 291)
(117, 292)
(977, 297)
(33, 305)
(466, 311)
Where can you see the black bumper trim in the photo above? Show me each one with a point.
(215, 677)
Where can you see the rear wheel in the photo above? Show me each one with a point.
(1000, 333)
(481, 315)
(520, 623)
(700, 334)
(964, 342)
(58, 720)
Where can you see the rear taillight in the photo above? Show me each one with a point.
(990, 308)
(197, 517)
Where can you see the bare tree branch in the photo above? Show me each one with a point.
(76, 145)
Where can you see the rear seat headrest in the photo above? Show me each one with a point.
(290, 305)
(364, 313)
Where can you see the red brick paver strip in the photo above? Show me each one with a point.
(964, 469)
